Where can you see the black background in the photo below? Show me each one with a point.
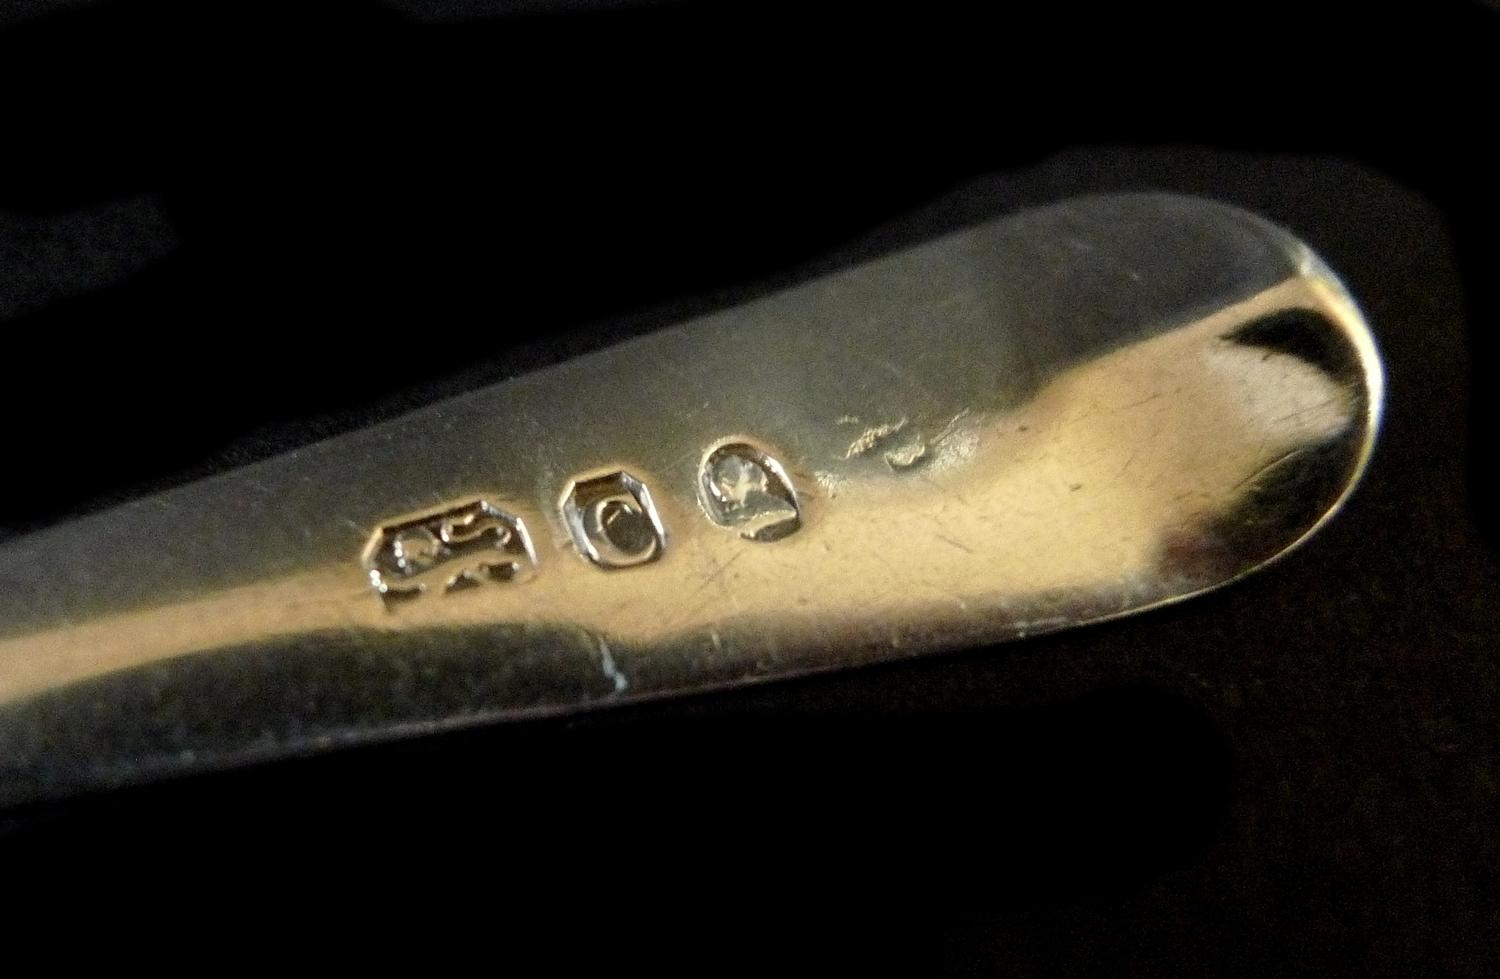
(230, 229)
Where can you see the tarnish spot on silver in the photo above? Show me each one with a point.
(745, 490)
(454, 547)
(611, 671)
(612, 520)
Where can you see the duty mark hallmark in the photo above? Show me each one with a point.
(745, 490)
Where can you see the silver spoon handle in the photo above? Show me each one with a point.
(1063, 416)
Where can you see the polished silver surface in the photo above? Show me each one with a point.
(1066, 415)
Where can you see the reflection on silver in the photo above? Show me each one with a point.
(457, 546)
(1068, 415)
(613, 521)
(744, 489)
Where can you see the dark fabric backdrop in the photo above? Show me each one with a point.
(230, 229)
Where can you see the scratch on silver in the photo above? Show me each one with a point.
(612, 672)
